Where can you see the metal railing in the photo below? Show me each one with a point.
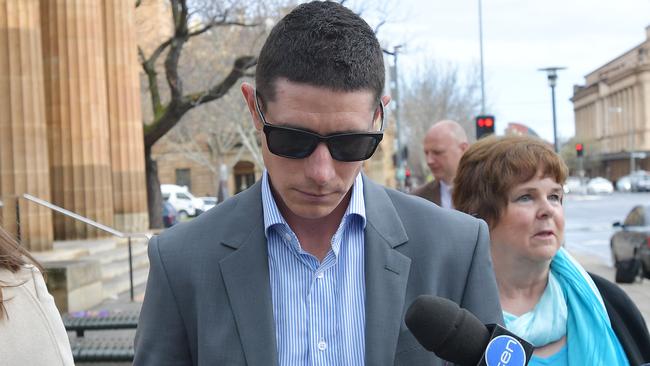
(94, 224)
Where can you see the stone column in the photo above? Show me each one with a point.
(23, 140)
(78, 133)
(125, 117)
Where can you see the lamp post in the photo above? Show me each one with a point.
(400, 171)
(551, 74)
(480, 37)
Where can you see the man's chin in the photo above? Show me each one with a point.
(312, 212)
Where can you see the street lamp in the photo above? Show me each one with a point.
(480, 37)
(551, 74)
(399, 161)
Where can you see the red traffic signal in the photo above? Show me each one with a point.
(579, 149)
(484, 126)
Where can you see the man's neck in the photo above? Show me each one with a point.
(315, 235)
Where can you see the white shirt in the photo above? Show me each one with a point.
(445, 195)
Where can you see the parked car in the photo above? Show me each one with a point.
(208, 202)
(183, 201)
(169, 214)
(631, 245)
(599, 185)
(573, 185)
(639, 181)
(624, 184)
(643, 183)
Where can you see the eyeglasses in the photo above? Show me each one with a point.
(294, 143)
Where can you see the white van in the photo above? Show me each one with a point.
(183, 201)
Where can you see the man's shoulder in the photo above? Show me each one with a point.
(411, 207)
(226, 220)
(429, 191)
(426, 187)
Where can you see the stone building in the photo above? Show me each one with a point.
(612, 114)
(70, 118)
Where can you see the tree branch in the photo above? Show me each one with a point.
(168, 117)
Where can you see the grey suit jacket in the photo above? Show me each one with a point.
(208, 296)
(429, 191)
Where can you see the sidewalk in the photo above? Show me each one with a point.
(639, 291)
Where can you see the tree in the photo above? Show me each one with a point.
(437, 92)
(187, 24)
(211, 132)
(190, 19)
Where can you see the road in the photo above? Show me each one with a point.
(589, 221)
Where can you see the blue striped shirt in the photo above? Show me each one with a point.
(318, 307)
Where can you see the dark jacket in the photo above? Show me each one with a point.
(429, 191)
(626, 319)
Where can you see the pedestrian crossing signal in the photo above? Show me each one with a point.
(579, 150)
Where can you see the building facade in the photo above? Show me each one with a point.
(70, 118)
(612, 114)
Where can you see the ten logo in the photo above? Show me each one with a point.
(505, 350)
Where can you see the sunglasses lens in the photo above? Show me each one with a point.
(290, 143)
(353, 147)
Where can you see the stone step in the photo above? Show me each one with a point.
(118, 267)
(120, 284)
(92, 246)
(118, 253)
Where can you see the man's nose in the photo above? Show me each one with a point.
(319, 166)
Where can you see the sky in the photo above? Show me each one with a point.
(519, 37)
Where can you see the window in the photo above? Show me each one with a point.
(244, 172)
(182, 196)
(636, 217)
(183, 178)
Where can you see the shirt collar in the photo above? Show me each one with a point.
(272, 215)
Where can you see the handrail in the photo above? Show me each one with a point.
(95, 224)
(62, 210)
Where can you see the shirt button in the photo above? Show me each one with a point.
(287, 237)
(320, 275)
(322, 345)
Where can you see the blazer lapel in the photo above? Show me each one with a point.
(387, 273)
(246, 276)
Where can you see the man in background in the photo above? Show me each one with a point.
(444, 145)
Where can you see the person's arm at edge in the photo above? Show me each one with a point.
(481, 295)
(161, 338)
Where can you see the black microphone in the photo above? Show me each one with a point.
(456, 335)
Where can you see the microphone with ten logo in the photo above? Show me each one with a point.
(456, 335)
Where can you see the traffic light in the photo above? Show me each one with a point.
(579, 149)
(484, 126)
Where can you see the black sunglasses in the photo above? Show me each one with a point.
(294, 143)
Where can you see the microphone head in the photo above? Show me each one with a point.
(442, 327)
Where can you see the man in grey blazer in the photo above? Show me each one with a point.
(315, 264)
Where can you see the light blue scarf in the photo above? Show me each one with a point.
(546, 323)
(590, 337)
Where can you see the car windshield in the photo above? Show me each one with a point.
(636, 217)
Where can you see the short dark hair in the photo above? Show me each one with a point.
(492, 166)
(322, 44)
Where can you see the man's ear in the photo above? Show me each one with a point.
(248, 91)
(386, 100)
(464, 146)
